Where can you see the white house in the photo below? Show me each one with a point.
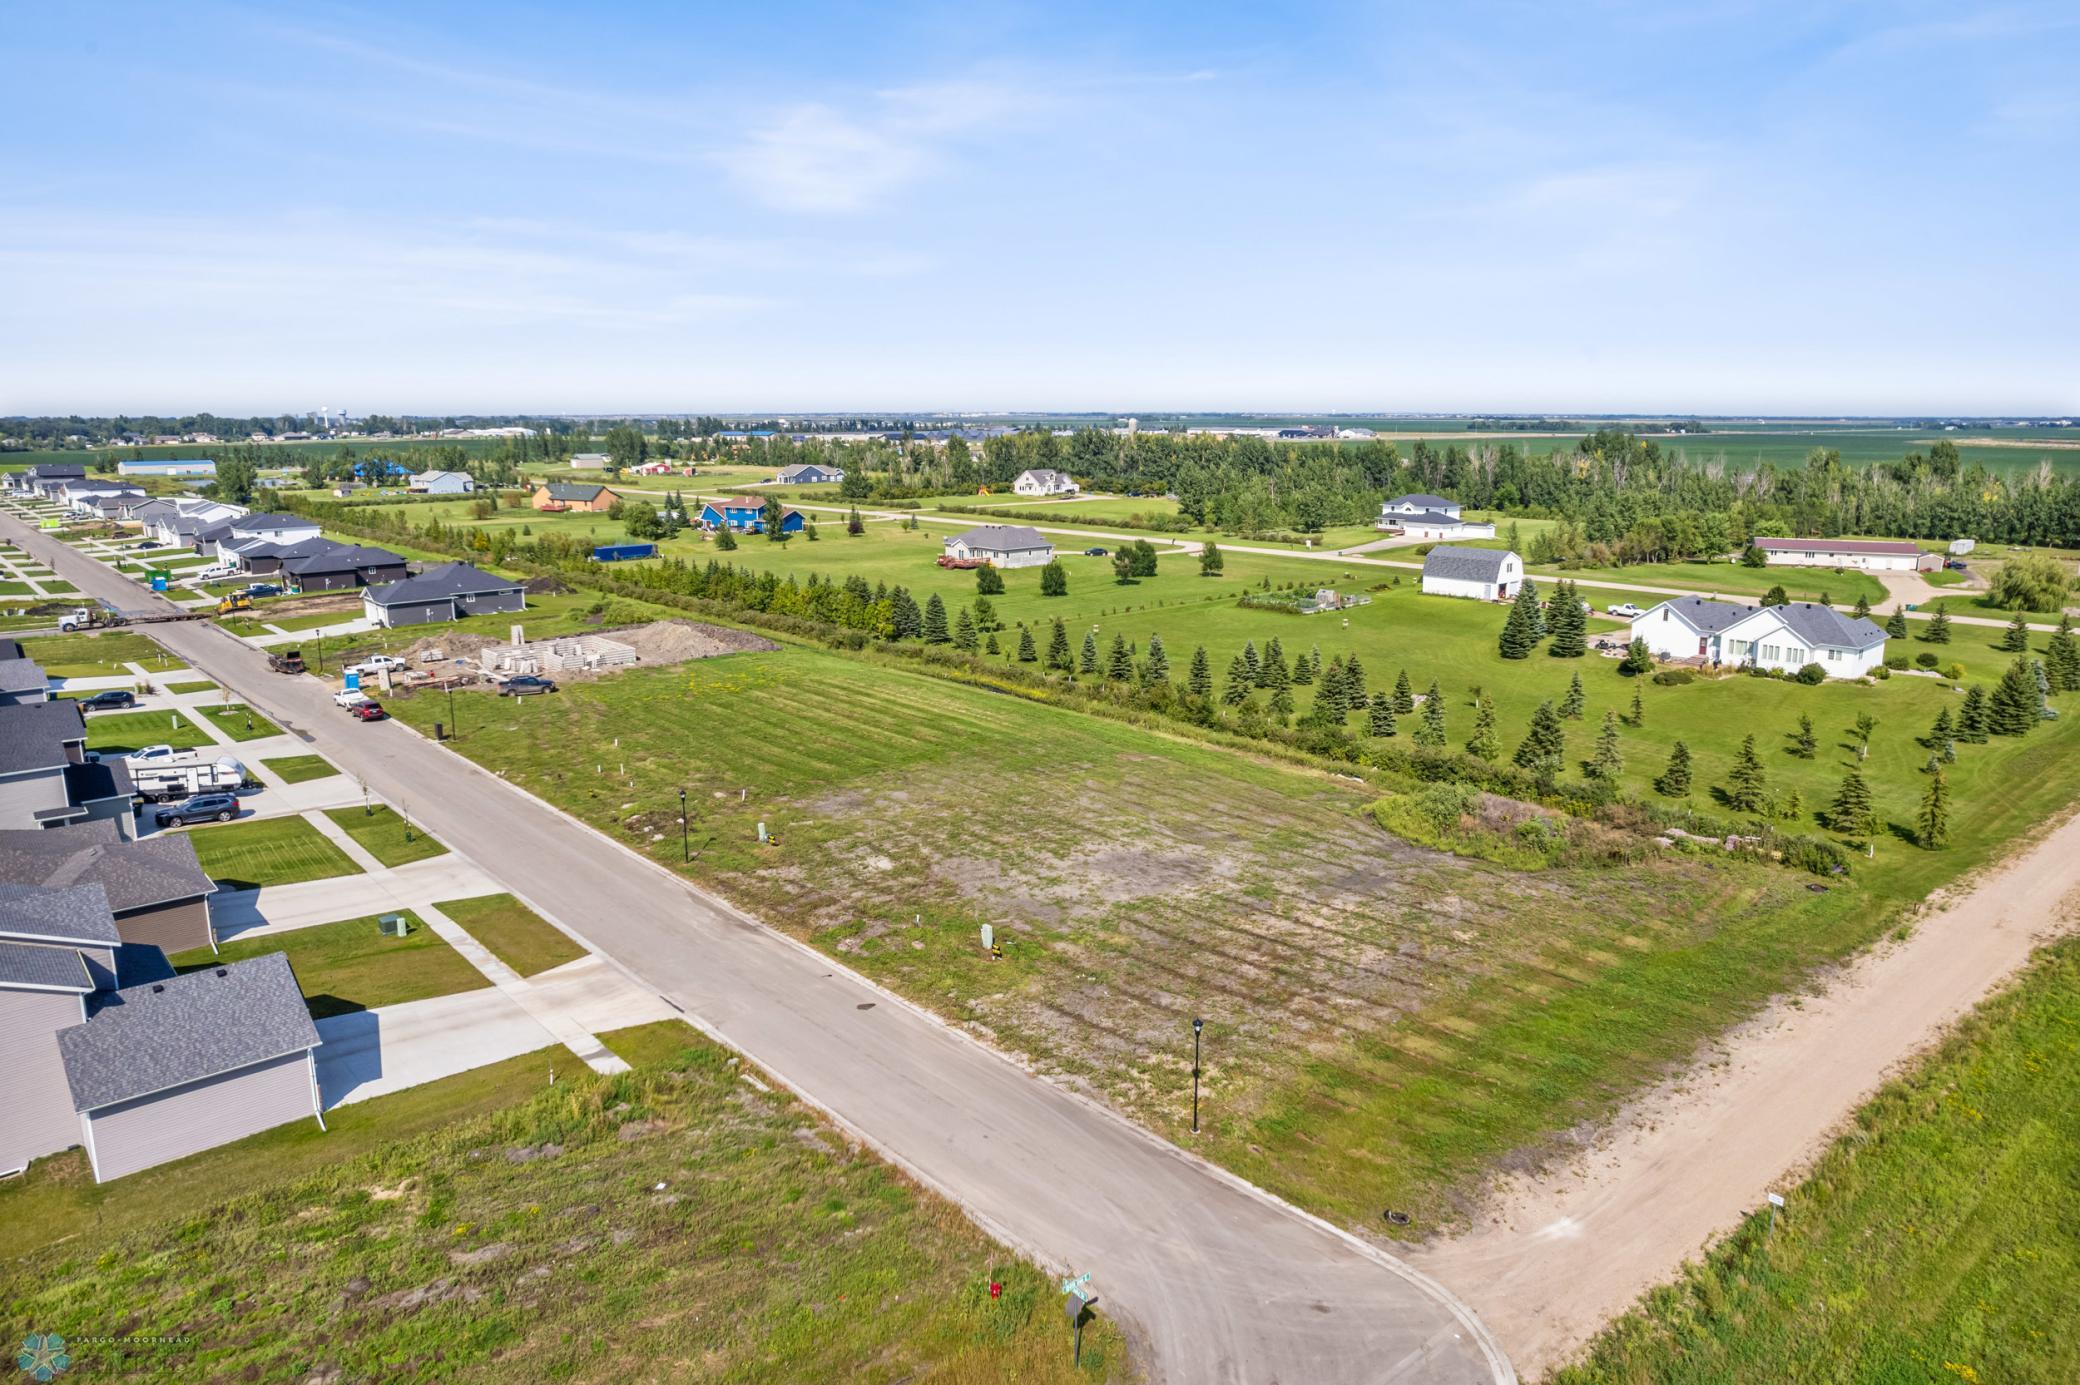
(1002, 545)
(441, 483)
(589, 461)
(808, 474)
(1871, 555)
(1485, 574)
(1430, 517)
(1786, 638)
(1044, 481)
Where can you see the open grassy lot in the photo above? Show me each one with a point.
(196, 686)
(120, 732)
(385, 835)
(268, 851)
(516, 934)
(1938, 1240)
(235, 720)
(671, 1222)
(1382, 1020)
(1730, 580)
(349, 966)
(296, 769)
(96, 654)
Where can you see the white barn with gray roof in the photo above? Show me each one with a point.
(1431, 517)
(1484, 574)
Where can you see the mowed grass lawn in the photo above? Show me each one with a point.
(386, 836)
(120, 732)
(298, 769)
(268, 851)
(491, 1227)
(1382, 1021)
(1938, 1240)
(348, 966)
(516, 934)
(238, 721)
(95, 654)
(1730, 581)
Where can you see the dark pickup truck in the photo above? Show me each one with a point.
(288, 661)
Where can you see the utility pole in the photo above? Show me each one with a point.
(1197, 1025)
(685, 851)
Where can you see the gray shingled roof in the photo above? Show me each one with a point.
(1427, 502)
(1002, 538)
(248, 524)
(31, 964)
(572, 490)
(22, 675)
(98, 779)
(342, 558)
(1819, 625)
(1706, 617)
(67, 913)
(788, 472)
(1429, 517)
(11, 649)
(136, 875)
(440, 583)
(33, 734)
(1464, 564)
(145, 1039)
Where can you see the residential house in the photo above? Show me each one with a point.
(441, 483)
(1485, 574)
(1430, 517)
(21, 680)
(1870, 555)
(183, 466)
(57, 947)
(572, 495)
(342, 567)
(1044, 481)
(451, 591)
(1002, 545)
(747, 517)
(46, 779)
(264, 557)
(39, 479)
(809, 474)
(1785, 638)
(156, 887)
(275, 528)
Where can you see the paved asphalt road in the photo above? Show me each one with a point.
(1213, 1280)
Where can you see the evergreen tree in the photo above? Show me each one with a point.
(1332, 696)
(1972, 716)
(1282, 703)
(1896, 624)
(854, 525)
(1520, 631)
(1570, 624)
(1805, 742)
(2012, 710)
(1404, 694)
(1941, 735)
(1608, 763)
(908, 620)
(1638, 660)
(2062, 657)
(1484, 742)
(1776, 596)
(964, 637)
(1210, 560)
(1639, 708)
(1675, 780)
(2015, 640)
(1937, 630)
(989, 581)
(725, 539)
(1054, 579)
(1199, 681)
(1157, 667)
(1119, 661)
(1752, 556)
(1851, 813)
(1027, 653)
(1746, 784)
(990, 646)
(1430, 734)
(1273, 672)
(986, 614)
(1576, 701)
(1380, 721)
(1059, 657)
(1087, 661)
(1863, 607)
(1353, 682)
(1545, 745)
(1251, 662)
(935, 631)
(1933, 825)
(1236, 690)
(1305, 666)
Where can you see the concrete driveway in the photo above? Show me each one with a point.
(375, 1052)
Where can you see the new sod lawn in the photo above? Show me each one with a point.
(383, 835)
(236, 720)
(516, 934)
(348, 966)
(268, 851)
(116, 733)
(199, 685)
(1938, 1240)
(94, 654)
(670, 1222)
(296, 769)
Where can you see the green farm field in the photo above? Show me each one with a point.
(1383, 1021)
(1935, 1241)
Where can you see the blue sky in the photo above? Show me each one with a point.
(1713, 207)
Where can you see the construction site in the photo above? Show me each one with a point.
(465, 659)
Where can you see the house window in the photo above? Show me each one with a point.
(1737, 648)
(1769, 652)
(1834, 654)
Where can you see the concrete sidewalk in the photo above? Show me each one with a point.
(376, 1052)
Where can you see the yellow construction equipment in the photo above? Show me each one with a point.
(237, 601)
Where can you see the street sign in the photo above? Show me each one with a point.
(1776, 1199)
(1073, 1307)
(1080, 1286)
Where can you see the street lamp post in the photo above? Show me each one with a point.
(1197, 1025)
(684, 849)
(454, 732)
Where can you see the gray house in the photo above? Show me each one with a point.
(46, 779)
(343, 567)
(157, 891)
(21, 680)
(169, 1068)
(1001, 545)
(809, 474)
(451, 591)
(441, 483)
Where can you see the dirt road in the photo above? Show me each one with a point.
(1555, 1257)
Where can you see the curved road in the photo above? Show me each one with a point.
(1214, 1280)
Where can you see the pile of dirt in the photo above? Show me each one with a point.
(545, 586)
(676, 641)
(320, 604)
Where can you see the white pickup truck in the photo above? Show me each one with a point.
(347, 697)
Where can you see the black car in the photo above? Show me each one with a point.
(148, 543)
(526, 685)
(263, 589)
(108, 701)
(1093, 552)
(1954, 565)
(203, 807)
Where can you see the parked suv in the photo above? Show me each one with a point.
(106, 701)
(203, 807)
(525, 685)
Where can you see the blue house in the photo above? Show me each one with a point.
(747, 517)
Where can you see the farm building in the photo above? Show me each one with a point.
(809, 474)
(1871, 555)
(1485, 574)
(589, 461)
(441, 483)
(1786, 638)
(572, 495)
(1001, 545)
(1044, 481)
(452, 591)
(746, 517)
(1430, 517)
(184, 466)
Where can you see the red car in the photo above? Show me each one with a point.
(367, 711)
